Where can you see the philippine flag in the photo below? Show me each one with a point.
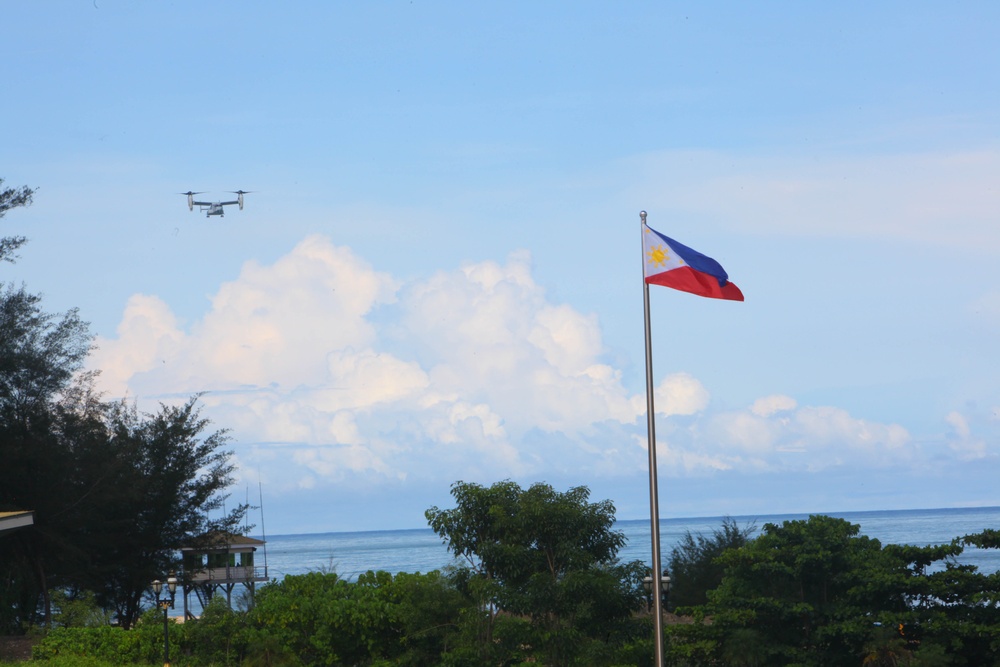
(671, 264)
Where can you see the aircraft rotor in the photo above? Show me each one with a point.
(239, 196)
(190, 196)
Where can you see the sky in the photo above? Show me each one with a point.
(438, 274)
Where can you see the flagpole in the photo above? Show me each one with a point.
(654, 502)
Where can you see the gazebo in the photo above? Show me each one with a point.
(12, 520)
(220, 562)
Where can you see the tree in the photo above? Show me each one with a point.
(40, 355)
(11, 198)
(161, 477)
(406, 619)
(544, 556)
(114, 492)
(816, 592)
(812, 590)
(694, 566)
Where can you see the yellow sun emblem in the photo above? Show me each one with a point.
(658, 255)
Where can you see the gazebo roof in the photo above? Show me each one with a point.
(19, 519)
(221, 541)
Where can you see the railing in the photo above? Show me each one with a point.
(231, 573)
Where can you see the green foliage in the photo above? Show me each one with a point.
(106, 643)
(220, 636)
(143, 644)
(80, 610)
(39, 355)
(542, 569)
(68, 661)
(114, 491)
(11, 198)
(808, 588)
(694, 566)
(817, 593)
(808, 593)
(321, 619)
(171, 473)
(987, 539)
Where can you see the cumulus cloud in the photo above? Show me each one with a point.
(770, 405)
(488, 333)
(470, 373)
(680, 394)
(776, 435)
(270, 326)
(147, 336)
(289, 358)
(962, 442)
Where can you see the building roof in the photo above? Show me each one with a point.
(223, 541)
(12, 520)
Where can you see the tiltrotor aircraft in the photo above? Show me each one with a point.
(214, 207)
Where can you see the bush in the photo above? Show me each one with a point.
(219, 637)
(114, 645)
(104, 644)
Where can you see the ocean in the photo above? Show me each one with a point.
(421, 550)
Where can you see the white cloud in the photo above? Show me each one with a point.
(958, 424)
(962, 443)
(471, 374)
(359, 380)
(488, 333)
(679, 394)
(776, 435)
(147, 337)
(290, 359)
(770, 405)
(272, 323)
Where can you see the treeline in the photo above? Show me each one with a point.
(114, 491)
(539, 583)
(320, 619)
(818, 593)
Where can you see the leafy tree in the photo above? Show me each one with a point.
(807, 589)
(219, 636)
(954, 607)
(322, 619)
(694, 565)
(11, 198)
(78, 610)
(817, 592)
(40, 354)
(547, 557)
(164, 474)
(987, 539)
(114, 491)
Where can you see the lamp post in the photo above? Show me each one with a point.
(647, 583)
(165, 604)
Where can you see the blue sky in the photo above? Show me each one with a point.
(438, 274)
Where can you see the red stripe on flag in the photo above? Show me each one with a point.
(688, 279)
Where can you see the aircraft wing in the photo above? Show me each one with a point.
(202, 203)
(228, 203)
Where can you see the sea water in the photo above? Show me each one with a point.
(421, 550)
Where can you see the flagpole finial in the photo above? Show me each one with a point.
(642, 216)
